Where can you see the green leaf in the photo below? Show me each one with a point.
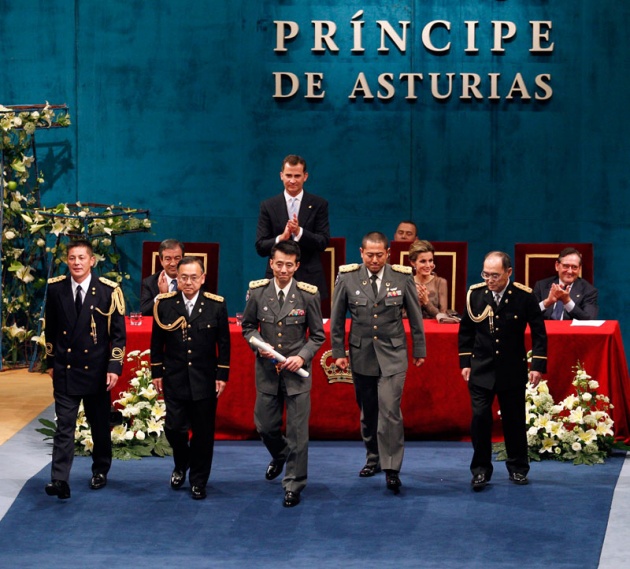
(49, 433)
(48, 423)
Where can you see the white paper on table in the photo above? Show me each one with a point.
(587, 322)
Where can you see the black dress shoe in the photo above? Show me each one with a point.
(58, 488)
(274, 469)
(519, 479)
(291, 499)
(98, 481)
(198, 492)
(369, 470)
(479, 482)
(177, 478)
(392, 481)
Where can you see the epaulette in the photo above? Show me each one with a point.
(349, 268)
(214, 297)
(402, 269)
(58, 279)
(478, 285)
(307, 287)
(522, 287)
(258, 283)
(166, 295)
(108, 282)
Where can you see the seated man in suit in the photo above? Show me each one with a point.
(171, 252)
(567, 296)
(406, 231)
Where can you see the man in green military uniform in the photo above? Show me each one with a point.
(376, 293)
(285, 314)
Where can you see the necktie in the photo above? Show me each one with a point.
(497, 298)
(173, 285)
(374, 287)
(189, 306)
(293, 207)
(78, 302)
(558, 308)
(281, 298)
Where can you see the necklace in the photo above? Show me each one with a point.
(425, 282)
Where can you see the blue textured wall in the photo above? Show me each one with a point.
(173, 111)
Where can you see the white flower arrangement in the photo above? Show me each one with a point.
(578, 429)
(143, 412)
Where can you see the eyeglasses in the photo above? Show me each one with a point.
(186, 278)
(566, 267)
(491, 276)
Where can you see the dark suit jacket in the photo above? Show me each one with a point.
(296, 329)
(494, 348)
(148, 293)
(583, 293)
(83, 350)
(377, 339)
(195, 352)
(313, 218)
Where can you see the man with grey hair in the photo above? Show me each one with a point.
(567, 296)
(170, 252)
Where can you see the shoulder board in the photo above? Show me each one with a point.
(214, 297)
(166, 295)
(349, 268)
(56, 279)
(478, 285)
(402, 269)
(108, 282)
(522, 287)
(307, 287)
(258, 283)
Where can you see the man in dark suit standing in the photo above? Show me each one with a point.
(170, 252)
(567, 296)
(85, 347)
(300, 217)
(376, 293)
(493, 359)
(190, 363)
(286, 314)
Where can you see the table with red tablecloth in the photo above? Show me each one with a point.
(435, 400)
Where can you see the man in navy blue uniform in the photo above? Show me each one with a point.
(493, 360)
(190, 363)
(85, 347)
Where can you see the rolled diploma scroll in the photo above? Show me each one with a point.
(267, 348)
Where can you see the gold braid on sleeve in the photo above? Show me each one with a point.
(487, 313)
(118, 354)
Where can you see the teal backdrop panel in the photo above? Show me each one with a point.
(173, 110)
